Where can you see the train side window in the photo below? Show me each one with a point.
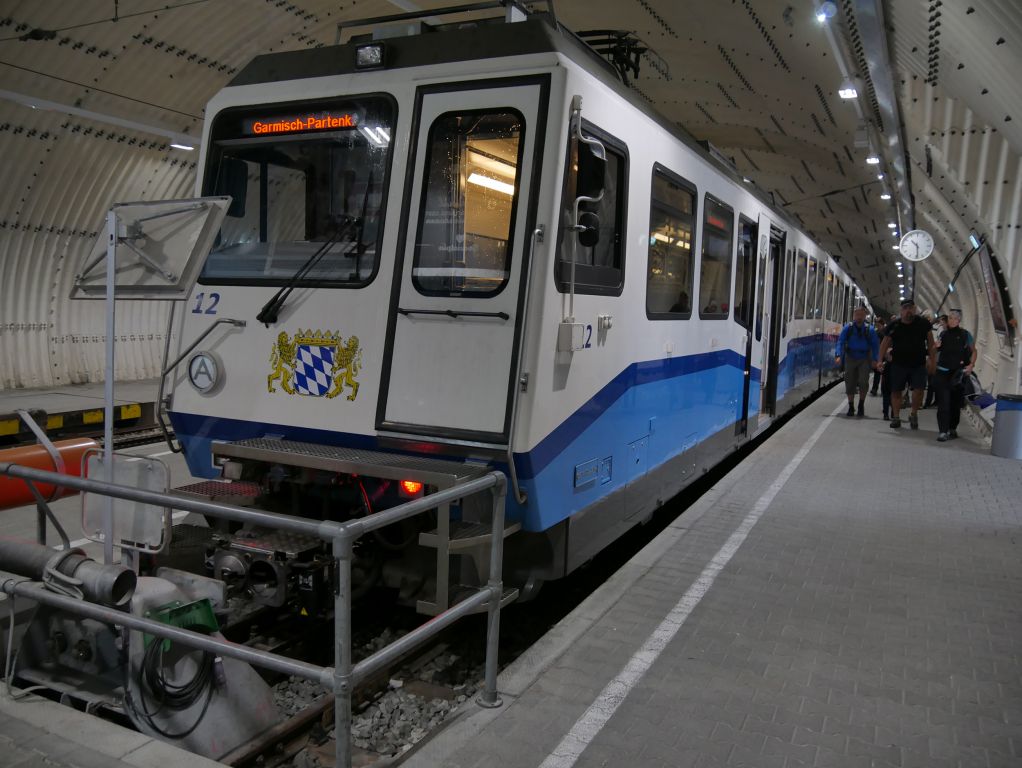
(599, 269)
(786, 301)
(469, 199)
(828, 307)
(715, 264)
(671, 232)
(745, 274)
(813, 291)
(800, 285)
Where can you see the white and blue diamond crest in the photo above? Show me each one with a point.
(315, 363)
(313, 369)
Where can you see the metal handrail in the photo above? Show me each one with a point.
(341, 678)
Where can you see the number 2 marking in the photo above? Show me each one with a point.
(589, 336)
(214, 299)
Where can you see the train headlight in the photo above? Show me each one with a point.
(206, 372)
(369, 56)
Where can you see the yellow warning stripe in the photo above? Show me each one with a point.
(58, 421)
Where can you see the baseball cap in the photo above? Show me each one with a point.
(907, 303)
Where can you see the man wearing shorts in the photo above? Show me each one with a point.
(910, 340)
(857, 351)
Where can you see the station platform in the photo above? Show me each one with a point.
(75, 407)
(848, 596)
(38, 733)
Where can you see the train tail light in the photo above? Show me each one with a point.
(410, 487)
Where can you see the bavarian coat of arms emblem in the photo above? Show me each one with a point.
(319, 364)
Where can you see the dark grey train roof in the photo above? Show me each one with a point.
(458, 43)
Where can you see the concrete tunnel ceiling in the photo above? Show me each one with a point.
(758, 79)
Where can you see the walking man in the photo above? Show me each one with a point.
(857, 350)
(911, 343)
(955, 357)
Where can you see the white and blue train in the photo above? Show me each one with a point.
(475, 244)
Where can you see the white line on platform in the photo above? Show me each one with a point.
(588, 726)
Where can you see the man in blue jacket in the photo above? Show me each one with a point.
(858, 350)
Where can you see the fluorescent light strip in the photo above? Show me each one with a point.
(493, 165)
(494, 184)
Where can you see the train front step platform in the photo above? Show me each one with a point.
(237, 492)
(441, 473)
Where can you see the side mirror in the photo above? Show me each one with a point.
(589, 235)
(233, 181)
(592, 167)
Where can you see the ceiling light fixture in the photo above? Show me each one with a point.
(872, 160)
(847, 90)
(892, 225)
(182, 146)
(885, 196)
(494, 184)
(825, 11)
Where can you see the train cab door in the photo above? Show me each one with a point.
(453, 334)
(774, 323)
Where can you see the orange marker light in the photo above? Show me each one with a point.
(411, 487)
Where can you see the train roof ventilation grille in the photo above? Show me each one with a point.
(625, 52)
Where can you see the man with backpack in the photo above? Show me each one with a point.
(952, 360)
(910, 341)
(857, 351)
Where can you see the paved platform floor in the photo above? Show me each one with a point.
(76, 397)
(37, 733)
(849, 596)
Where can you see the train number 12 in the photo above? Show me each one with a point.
(589, 337)
(214, 299)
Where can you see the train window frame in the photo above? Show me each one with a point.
(709, 200)
(786, 291)
(673, 178)
(209, 178)
(828, 307)
(746, 232)
(813, 274)
(589, 279)
(512, 216)
(800, 297)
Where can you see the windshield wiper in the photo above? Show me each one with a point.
(271, 309)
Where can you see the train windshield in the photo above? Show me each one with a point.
(298, 175)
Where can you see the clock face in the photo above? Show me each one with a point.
(916, 245)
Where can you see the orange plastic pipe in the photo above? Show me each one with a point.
(15, 492)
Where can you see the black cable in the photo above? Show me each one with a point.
(169, 695)
(98, 90)
(117, 17)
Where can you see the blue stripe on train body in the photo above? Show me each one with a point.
(648, 414)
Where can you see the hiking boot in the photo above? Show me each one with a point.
(862, 410)
(943, 437)
(851, 410)
(895, 423)
(913, 421)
